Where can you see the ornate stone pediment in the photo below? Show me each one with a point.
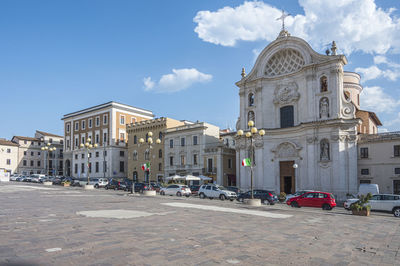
(286, 150)
(286, 93)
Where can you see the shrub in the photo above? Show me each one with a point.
(362, 204)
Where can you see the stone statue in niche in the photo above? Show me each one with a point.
(324, 84)
(324, 155)
(324, 108)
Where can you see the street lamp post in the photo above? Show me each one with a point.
(47, 149)
(251, 135)
(88, 146)
(149, 142)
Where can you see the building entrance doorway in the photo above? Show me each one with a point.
(396, 186)
(287, 177)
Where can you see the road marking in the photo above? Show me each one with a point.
(53, 249)
(118, 214)
(231, 210)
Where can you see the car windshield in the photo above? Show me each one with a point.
(222, 188)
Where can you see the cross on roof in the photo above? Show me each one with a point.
(282, 17)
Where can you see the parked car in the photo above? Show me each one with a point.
(380, 202)
(101, 182)
(215, 191)
(318, 199)
(364, 189)
(157, 187)
(14, 177)
(27, 179)
(234, 189)
(297, 193)
(194, 189)
(266, 196)
(140, 187)
(21, 178)
(114, 184)
(179, 190)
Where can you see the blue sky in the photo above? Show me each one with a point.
(179, 59)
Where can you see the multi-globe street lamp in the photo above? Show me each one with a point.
(251, 135)
(48, 148)
(88, 146)
(149, 142)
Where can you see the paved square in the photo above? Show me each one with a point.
(69, 226)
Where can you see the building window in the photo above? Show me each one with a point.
(97, 154)
(104, 137)
(396, 186)
(323, 84)
(365, 171)
(363, 152)
(82, 168)
(171, 160)
(38, 153)
(396, 150)
(97, 138)
(210, 165)
(365, 181)
(182, 142)
(182, 160)
(105, 153)
(121, 153)
(8, 161)
(32, 163)
(251, 99)
(83, 124)
(105, 119)
(68, 128)
(38, 163)
(160, 135)
(287, 116)
(135, 156)
(24, 153)
(97, 121)
(133, 120)
(32, 153)
(160, 153)
(97, 167)
(135, 139)
(76, 126)
(121, 166)
(76, 168)
(397, 171)
(8, 150)
(195, 159)
(230, 163)
(76, 156)
(90, 123)
(83, 156)
(83, 140)
(24, 162)
(122, 120)
(171, 143)
(147, 155)
(194, 140)
(160, 167)
(105, 166)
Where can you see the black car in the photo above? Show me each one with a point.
(127, 185)
(140, 187)
(264, 195)
(115, 184)
(234, 189)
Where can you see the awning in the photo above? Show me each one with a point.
(190, 178)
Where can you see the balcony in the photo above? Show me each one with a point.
(209, 170)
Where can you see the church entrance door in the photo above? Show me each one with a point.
(287, 177)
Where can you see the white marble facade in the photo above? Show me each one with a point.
(291, 80)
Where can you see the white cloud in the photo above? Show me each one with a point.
(394, 121)
(373, 72)
(374, 98)
(178, 80)
(353, 24)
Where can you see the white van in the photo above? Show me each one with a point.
(364, 189)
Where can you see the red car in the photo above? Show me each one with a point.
(323, 200)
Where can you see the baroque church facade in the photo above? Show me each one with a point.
(307, 106)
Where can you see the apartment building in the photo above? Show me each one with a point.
(32, 159)
(104, 125)
(139, 154)
(8, 156)
(185, 148)
(379, 161)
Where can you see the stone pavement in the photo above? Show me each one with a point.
(69, 226)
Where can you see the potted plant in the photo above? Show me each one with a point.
(361, 207)
(282, 197)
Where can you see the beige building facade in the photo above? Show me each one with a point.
(139, 154)
(8, 156)
(104, 125)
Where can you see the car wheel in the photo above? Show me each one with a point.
(115, 188)
(222, 197)
(187, 195)
(162, 193)
(201, 195)
(179, 194)
(294, 204)
(326, 207)
(211, 198)
(141, 191)
(231, 199)
(396, 212)
(96, 186)
(106, 188)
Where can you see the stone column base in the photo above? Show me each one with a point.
(88, 187)
(252, 202)
(149, 193)
(48, 183)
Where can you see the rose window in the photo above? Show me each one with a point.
(284, 62)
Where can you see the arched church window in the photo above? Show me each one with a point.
(287, 116)
(324, 108)
(251, 117)
(251, 99)
(325, 150)
(147, 155)
(160, 153)
(323, 84)
(135, 139)
(135, 156)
